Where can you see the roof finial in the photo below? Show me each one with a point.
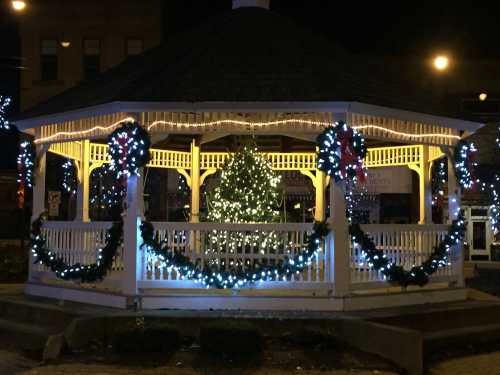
(251, 3)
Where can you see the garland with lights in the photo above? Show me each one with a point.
(417, 275)
(70, 180)
(464, 156)
(438, 181)
(235, 277)
(84, 272)
(128, 149)
(107, 191)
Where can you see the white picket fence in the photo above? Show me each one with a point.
(202, 243)
(78, 242)
(405, 245)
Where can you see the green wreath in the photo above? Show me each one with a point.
(236, 277)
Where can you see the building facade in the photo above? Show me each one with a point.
(65, 42)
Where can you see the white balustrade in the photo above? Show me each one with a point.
(196, 241)
(404, 245)
(78, 242)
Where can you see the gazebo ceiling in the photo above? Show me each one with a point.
(246, 55)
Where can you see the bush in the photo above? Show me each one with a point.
(13, 264)
(236, 339)
(159, 338)
(313, 338)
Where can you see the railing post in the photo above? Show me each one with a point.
(38, 194)
(339, 240)
(319, 187)
(132, 237)
(425, 192)
(82, 198)
(454, 201)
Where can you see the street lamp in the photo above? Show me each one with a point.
(483, 96)
(18, 5)
(441, 63)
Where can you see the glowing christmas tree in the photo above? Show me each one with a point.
(248, 192)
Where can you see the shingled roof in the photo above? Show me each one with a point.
(246, 55)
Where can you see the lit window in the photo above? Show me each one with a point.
(134, 47)
(91, 58)
(49, 60)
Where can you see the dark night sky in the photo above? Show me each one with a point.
(386, 28)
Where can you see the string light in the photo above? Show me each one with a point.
(189, 125)
(439, 180)
(70, 181)
(246, 193)
(128, 148)
(26, 164)
(4, 103)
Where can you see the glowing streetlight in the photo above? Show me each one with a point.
(18, 5)
(483, 96)
(65, 43)
(441, 62)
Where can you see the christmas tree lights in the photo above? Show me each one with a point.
(246, 193)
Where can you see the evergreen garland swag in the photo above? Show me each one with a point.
(236, 277)
(417, 275)
(85, 273)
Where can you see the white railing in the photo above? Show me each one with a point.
(78, 242)
(197, 241)
(404, 245)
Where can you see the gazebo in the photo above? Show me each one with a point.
(251, 72)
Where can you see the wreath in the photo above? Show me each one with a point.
(84, 272)
(128, 149)
(237, 276)
(341, 153)
(70, 180)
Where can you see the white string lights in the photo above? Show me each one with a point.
(245, 124)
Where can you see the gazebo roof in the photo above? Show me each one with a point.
(246, 55)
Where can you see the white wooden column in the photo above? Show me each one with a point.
(454, 194)
(425, 192)
(319, 187)
(339, 240)
(39, 203)
(195, 182)
(132, 238)
(82, 194)
(454, 202)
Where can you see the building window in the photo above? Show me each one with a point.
(91, 58)
(49, 61)
(134, 47)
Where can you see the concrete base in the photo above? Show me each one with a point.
(250, 300)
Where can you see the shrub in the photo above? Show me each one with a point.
(158, 338)
(237, 339)
(13, 264)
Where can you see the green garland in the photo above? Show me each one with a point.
(236, 277)
(84, 272)
(417, 275)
